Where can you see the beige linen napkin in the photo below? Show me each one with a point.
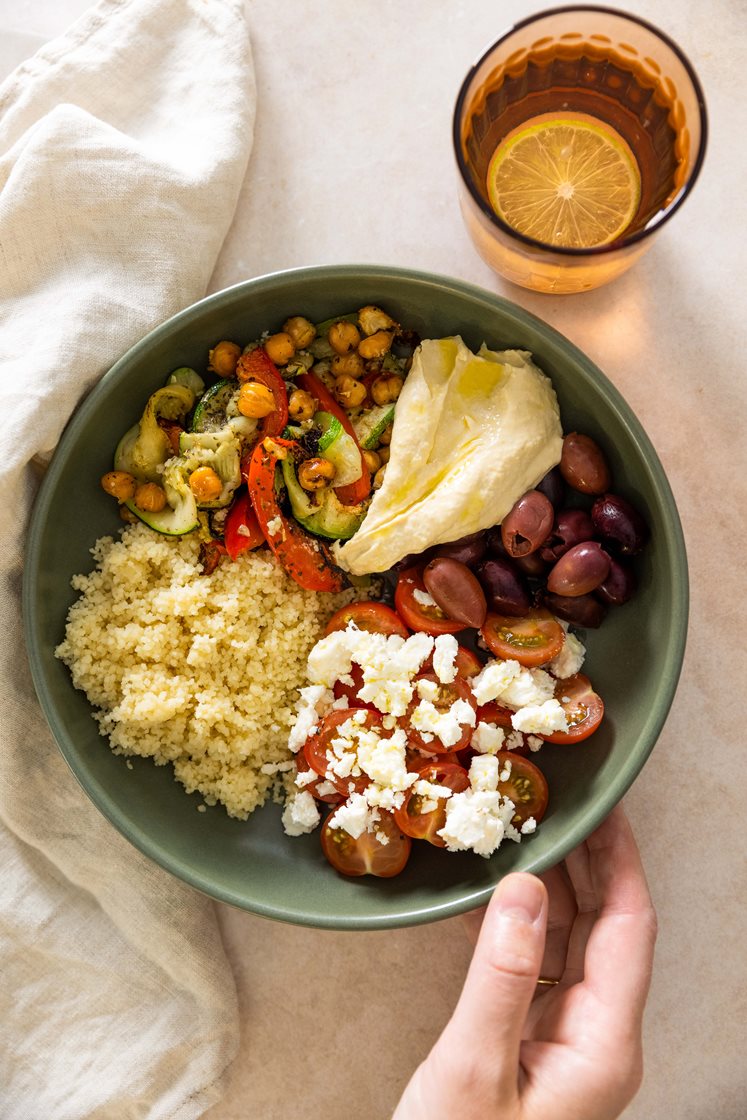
(123, 145)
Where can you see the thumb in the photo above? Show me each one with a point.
(492, 1009)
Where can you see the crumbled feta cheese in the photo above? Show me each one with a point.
(314, 701)
(352, 816)
(530, 686)
(383, 797)
(494, 679)
(483, 773)
(384, 761)
(275, 526)
(514, 741)
(427, 690)
(529, 825)
(488, 738)
(300, 814)
(331, 657)
(382, 837)
(444, 656)
(477, 820)
(505, 773)
(423, 598)
(446, 725)
(430, 793)
(570, 659)
(543, 718)
(534, 742)
(326, 789)
(389, 665)
(305, 777)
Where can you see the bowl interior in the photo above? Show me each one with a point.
(634, 659)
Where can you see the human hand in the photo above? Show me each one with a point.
(513, 1051)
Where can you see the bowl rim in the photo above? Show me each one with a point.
(583, 824)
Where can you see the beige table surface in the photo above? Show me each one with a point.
(352, 162)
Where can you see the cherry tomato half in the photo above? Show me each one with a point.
(527, 787)
(424, 826)
(583, 709)
(493, 712)
(430, 620)
(532, 640)
(376, 618)
(316, 747)
(367, 855)
(447, 695)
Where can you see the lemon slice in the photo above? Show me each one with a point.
(566, 180)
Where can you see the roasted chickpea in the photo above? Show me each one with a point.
(301, 332)
(349, 392)
(343, 336)
(372, 461)
(223, 357)
(386, 436)
(255, 400)
(315, 474)
(376, 345)
(119, 484)
(150, 497)
(350, 364)
(379, 477)
(205, 484)
(384, 453)
(386, 389)
(373, 319)
(301, 405)
(280, 348)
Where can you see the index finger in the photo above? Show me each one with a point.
(620, 949)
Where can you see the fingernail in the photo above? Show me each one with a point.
(520, 897)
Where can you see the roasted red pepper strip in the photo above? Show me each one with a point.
(258, 366)
(242, 531)
(303, 557)
(354, 492)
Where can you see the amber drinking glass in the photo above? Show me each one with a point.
(621, 83)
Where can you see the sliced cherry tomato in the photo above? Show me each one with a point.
(257, 365)
(376, 618)
(430, 620)
(316, 747)
(425, 825)
(417, 761)
(367, 855)
(241, 531)
(532, 640)
(355, 492)
(447, 695)
(304, 557)
(583, 708)
(527, 787)
(493, 712)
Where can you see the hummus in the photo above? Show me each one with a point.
(473, 432)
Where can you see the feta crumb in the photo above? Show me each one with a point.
(483, 773)
(543, 718)
(446, 725)
(529, 825)
(352, 816)
(427, 690)
(384, 760)
(514, 741)
(305, 777)
(300, 814)
(382, 837)
(275, 526)
(314, 701)
(505, 773)
(534, 742)
(529, 686)
(570, 659)
(326, 789)
(494, 679)
(477, 820)
(423, 598)
(430, 793)
(488, 738)
(444, 656)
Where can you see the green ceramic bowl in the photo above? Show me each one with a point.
(634, 659)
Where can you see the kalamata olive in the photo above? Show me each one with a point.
(583, 610)
(579, 570)
(531, 565)
(619, 524)
(527, 524)
(456, 590)
(583, 466)
(504, 587)
(553, 487)
(571, 527)
(494, 542)
(468, 550)
(619, 584)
